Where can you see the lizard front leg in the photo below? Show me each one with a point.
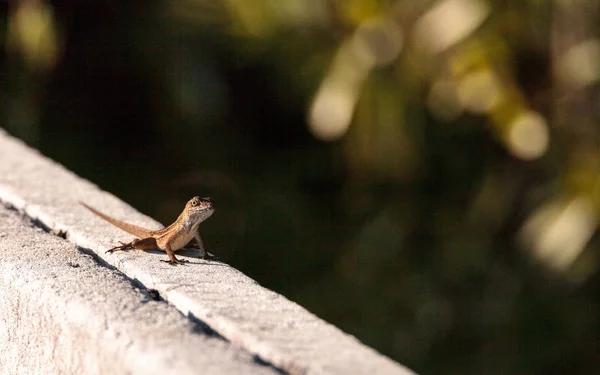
(200, 245)
(172, 259)
(205, 253)
(199, 242)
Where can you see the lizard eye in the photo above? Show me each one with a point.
(195, 202)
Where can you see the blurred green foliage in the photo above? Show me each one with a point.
(423, 174)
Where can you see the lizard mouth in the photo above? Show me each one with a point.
(205, 208)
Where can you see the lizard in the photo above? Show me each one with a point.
(169, 239)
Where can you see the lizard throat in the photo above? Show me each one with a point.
(191, 223)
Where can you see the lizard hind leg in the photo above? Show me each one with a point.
(140, 244)
(123, 246)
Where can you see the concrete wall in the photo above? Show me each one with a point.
(67, 307)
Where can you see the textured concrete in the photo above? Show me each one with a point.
(265, 323)
(62, 313)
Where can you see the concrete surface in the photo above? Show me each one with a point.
(62, 313)
(258, 320)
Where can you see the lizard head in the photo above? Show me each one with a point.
(199, 209)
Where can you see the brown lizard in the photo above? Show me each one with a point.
(170, 239)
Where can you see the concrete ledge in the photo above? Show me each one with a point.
(262, 322)
(62, 313)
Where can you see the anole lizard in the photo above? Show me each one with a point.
(170, 239)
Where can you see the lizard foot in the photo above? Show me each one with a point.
(123, 246)
(176, 261)
(207, 255)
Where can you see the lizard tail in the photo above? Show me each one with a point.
(129, 228)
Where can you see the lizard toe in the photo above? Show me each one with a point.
(174, 262)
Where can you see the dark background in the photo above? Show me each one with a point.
(422, 228)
